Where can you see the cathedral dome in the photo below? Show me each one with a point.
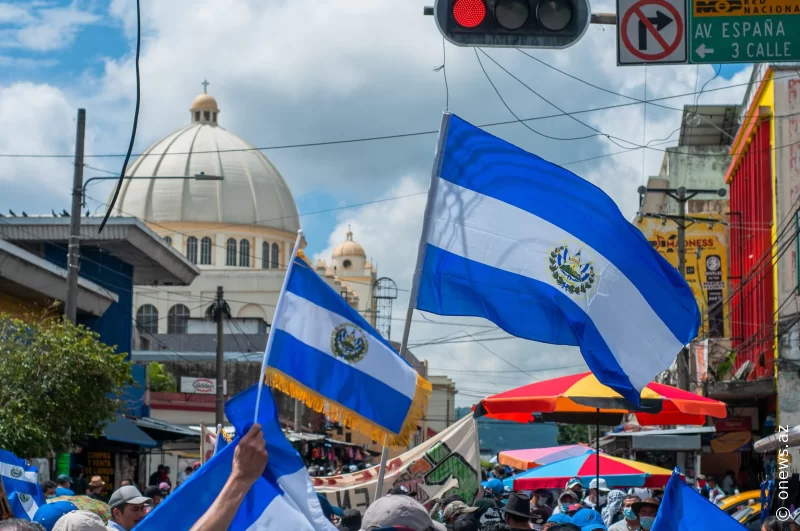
(223, 184)
(349, 248)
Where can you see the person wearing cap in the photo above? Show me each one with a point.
(567, 498)
(629, 522)
(47, 515)
(127, 508)
(598, 493)
(80, 521)
(588, 520)
(646, 512)
(401, 511)
(96, 488)
(517, 512)
(155, 494)
(495, 486)
(63, 483)
(454, 510)
(575, 486)
(540, 500)
(165, 488)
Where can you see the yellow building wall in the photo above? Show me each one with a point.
(706, 274)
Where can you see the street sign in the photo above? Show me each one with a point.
(651, 31)
(743, 31)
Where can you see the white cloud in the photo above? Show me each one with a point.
(46, 29)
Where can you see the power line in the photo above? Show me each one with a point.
(407, 135)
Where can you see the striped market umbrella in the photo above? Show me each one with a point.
(581, 399)
(535, 457)
(616, 471)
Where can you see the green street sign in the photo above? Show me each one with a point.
(743, 31)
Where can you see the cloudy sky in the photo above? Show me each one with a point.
(302, 71)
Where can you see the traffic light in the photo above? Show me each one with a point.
(513, 23)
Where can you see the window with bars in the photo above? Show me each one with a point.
(205, 251)
(265, 255)
(191, 249)
(244, 253)
(147, 319)
(178, 319)
(230, 248)
(276, 254)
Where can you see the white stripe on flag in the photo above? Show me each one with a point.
(313, 325)
(18, 473)
(486, 230)
(29, 504)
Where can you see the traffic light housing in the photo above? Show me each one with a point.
(513, 23)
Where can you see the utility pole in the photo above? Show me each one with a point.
(681, 195)
(296, 415)
(218, 312)
(74, 247)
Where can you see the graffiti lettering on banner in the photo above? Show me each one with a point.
(447, 464)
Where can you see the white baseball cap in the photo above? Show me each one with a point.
(603, 485)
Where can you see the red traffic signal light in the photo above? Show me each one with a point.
(469, 13)
(513, 23)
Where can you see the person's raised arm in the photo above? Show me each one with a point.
(249, 461)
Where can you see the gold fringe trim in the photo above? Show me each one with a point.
(349, 418)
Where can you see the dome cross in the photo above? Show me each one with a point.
(205, 84)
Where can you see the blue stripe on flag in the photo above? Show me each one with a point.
(446, 289)
(339, 381)
(476, 160)
(306, 283)
(298, 507)
(17, 481)
(683, 509)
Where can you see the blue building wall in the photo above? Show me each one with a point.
(115, 326)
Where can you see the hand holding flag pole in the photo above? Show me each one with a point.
(271, 336)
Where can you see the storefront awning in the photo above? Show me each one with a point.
(165, 431)
(125, 431)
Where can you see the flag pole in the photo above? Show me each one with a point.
(278, 305)
(202, 443)
(412, 300)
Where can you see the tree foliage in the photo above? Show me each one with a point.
(572, 434)
(59, 385)
(161, 380)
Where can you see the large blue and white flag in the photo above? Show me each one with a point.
(684, 509)
(547, 256)
(323, 352)
(21, 483)
(282, 498)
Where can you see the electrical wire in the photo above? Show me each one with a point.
(414, 134)
(135, 121)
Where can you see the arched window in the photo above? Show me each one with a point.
(205, 251)
(230, 251)
(147, 319)
(244, 253)
(191, 249)
(177, 319)
(276, 251)
(265, 255)
(168, 239)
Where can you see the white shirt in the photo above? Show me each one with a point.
(113, 526)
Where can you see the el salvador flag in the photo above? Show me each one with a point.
(323, 352)
(547, 256)
(21, 484)
(684, 509)
(282, 498)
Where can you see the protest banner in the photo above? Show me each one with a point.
(444, 465)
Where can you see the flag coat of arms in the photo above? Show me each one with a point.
(325, 354)
(547, 256)
(21, 483)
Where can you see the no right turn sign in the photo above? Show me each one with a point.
(651, 31)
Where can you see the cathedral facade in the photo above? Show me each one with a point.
(222, 204)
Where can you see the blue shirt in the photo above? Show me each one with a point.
(113, 525)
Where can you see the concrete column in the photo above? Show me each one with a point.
(788, 383)
(219, 250)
